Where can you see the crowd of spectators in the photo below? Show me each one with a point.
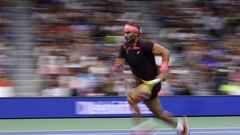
(204, 36)
(6, 85)
(77, 41)
(75, 46)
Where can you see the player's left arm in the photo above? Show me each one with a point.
(159, 50)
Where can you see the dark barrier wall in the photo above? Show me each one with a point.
(115, 107)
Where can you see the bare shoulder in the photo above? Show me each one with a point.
(159, 49)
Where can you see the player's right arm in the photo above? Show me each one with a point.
(119, 61)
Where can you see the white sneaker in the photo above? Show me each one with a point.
(185, 127)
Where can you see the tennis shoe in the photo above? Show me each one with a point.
(185, 130)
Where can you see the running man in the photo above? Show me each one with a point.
(139, 55)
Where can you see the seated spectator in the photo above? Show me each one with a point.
(6, 86)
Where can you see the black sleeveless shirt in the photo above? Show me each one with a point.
(140, 59)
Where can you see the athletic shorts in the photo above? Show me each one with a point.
(155, 90)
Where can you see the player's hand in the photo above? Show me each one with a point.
(161, 77)
(117, 68)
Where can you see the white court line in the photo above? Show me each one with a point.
(159, 133)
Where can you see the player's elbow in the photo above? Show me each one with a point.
(166, 53)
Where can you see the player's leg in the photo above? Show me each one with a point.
(138, 94)
(154, 106)
(133, 103)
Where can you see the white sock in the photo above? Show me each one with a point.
(179, 125)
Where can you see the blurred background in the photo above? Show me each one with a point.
(64, 48)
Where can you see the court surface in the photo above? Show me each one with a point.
(116, 126)
(226, 131)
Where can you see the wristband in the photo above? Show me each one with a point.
(164, 66)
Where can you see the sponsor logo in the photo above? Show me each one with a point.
(106, 107)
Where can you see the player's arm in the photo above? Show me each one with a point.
(165, 53)
(118, 62)
(160, 51)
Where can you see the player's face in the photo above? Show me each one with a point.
(130, 36)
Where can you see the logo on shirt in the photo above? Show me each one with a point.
(135, 49)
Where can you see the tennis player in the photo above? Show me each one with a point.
(139, 55)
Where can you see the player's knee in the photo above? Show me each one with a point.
(131, 100)
(162, 114)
